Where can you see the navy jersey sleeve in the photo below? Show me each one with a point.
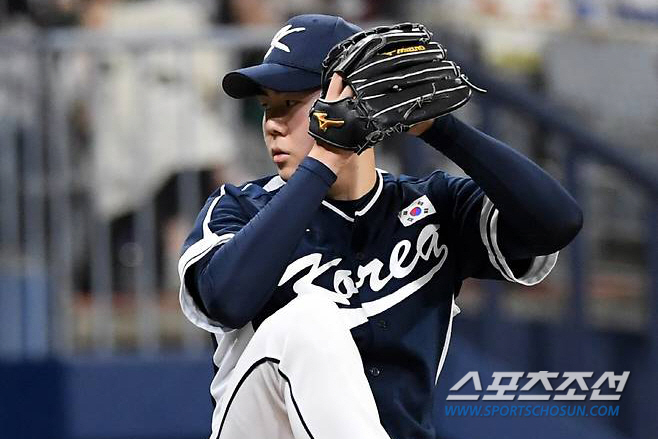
(240, 247)
(512, 217)
(219, 220)
(476, 238)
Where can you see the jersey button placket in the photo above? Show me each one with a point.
(383, 324)
(374, 371)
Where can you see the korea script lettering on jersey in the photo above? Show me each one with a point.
(400, 266)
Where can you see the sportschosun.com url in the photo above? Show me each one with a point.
(530, 410)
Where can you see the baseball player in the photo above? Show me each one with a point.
(329, 288)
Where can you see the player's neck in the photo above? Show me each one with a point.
(356, 178)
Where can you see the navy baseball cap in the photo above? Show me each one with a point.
(294, 60)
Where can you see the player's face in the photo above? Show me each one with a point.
(285, 127)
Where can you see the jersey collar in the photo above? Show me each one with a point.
(366, 208)
(277, 182)
(274, 183)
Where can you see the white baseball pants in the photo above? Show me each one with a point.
(300, 377)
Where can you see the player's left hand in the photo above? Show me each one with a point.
(401, 81)
(339, 90)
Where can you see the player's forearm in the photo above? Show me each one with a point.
(534, 208)
(241, 276)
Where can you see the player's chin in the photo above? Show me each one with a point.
(285, 170)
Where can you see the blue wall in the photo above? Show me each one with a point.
(132, 398)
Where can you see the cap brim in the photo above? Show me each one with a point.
(250, 81)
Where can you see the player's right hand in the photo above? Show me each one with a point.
(333, 158)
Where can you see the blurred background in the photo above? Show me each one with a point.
(114, 130)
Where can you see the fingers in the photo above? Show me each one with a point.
(337, 89)
(347, 92)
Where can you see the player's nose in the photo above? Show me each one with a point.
(275, 126)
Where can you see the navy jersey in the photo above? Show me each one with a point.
(392, 261)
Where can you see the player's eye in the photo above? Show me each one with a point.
(291, 103)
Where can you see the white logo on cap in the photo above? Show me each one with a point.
(276, 39)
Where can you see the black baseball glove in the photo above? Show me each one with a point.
(399, 78)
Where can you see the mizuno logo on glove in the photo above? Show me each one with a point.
(325, 123)
(404, 50)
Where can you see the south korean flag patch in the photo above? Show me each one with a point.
(416, 211)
